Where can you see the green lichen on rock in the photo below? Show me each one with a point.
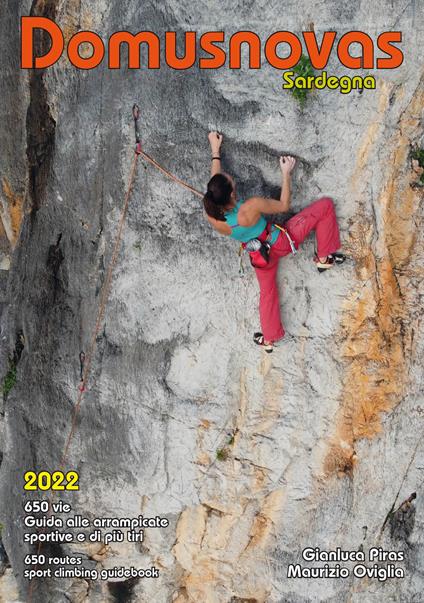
(302, 69)
(10, 379)
(222, 454)
(418, 155)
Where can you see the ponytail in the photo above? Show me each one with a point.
(213, 210)
(217, 197)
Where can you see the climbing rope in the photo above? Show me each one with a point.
(139, 151)
(86, 363)
(86, 359)
(171, 176)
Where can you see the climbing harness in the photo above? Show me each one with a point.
(260, 248)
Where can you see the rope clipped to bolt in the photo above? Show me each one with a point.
(158, 166)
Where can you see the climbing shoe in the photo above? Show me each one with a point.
(339, 258)
(331, 260)
(258, 338)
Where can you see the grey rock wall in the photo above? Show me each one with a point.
(323, 438)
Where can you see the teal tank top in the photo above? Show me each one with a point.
(245, 233)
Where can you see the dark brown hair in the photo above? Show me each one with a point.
(217, 196)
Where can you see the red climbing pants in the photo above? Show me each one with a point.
(319, 216)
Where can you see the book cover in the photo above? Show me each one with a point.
(211, 280)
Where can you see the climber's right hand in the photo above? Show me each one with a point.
(215, 140)
(287, 163)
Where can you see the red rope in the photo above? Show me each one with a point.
(171, 176)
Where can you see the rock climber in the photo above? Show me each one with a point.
(244, 221)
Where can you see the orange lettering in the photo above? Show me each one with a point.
(319, 56)
(50, 41)
(28, 24)
(271, 49)
(134, 42)
(86, 37)
(254, 43)
(396, 55)
(207, 44)
(366, 61)
(171, 50)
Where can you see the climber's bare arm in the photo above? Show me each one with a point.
(215, 140)
(221, 227)
(250, 212)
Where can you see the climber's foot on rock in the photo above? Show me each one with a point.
(259, 339)
(324, 263)
(339, 258)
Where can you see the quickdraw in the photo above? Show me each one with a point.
(82, 361)
(136, 116)
(290, 240)
(158, 166)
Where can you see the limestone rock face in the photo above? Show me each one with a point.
(252, 458)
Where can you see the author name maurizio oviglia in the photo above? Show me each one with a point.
(384, 564)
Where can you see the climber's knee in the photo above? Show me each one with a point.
(326, 205)
(327, 202)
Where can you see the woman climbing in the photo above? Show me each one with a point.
(244, 221)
